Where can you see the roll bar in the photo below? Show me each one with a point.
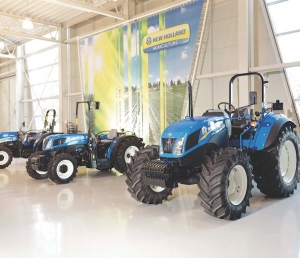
(263, 82)
(53, 120)
(89, 102)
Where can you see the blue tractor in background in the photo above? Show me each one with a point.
(221, 151)
(62, 154)
(23, 144)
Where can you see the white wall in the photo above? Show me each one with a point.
(222, 55)
(7, 97)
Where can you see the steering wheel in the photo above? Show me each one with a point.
(230, 109)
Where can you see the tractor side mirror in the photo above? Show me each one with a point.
(252, 97)
(97, 104)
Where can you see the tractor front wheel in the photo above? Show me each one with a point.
(6, 157)
(136, 187)
(36, 174)
(62, 168)
(277, 169)
(125, 151)
(225, 184)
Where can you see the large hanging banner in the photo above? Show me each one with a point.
(139, 71)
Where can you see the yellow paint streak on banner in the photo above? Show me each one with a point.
(129, 77)
(162, 77)
(107, 79)
(145, 89)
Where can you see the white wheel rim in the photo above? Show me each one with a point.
(4, 157)
(237, 186)
(130, 152)
(157, 189)
(41, 172)
(288, 161)
(65, 164)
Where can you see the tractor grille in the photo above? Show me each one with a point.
(168, 144)
(192, 140)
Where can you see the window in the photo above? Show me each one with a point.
(43, 73)
(286, 24)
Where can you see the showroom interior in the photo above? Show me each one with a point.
(56, 53)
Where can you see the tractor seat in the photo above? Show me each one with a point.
(111, 135)
(242, 123)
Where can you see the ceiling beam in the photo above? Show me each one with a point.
(87, 8)
(24, 35)
(79, 19)
(33, 20)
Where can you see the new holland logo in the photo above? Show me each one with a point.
(167, 38)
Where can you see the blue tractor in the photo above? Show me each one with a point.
(62, 154)
(221, 151)
(23, 144)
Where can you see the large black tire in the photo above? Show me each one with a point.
(62, 168)
(136, 187)
(276, 170)
(6, 157)
(36, 174)
(127, 148)
(225, 184)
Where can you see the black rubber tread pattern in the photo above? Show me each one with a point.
(138, 190)
(31, 172)
(10, 156)
(119, 161)
(214, 182)
(266, 170)
(53, 176)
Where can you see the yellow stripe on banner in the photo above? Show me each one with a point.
(162, 78)
(145, 89)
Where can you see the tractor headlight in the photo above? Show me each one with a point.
(48, 145)
(178, 149)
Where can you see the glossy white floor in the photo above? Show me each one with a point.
(94, 216)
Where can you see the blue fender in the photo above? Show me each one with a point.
(268, 130)
(111, 152)
(283, 121)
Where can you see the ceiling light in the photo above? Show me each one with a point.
(27, 24)
(2, 45)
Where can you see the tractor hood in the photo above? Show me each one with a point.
(8, 137)
(183, 136)
(63, 140)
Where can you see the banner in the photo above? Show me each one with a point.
(139, 71)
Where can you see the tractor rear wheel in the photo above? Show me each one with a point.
(125, 151)
(6, 157)
(225, 184)
(136, 187)
(276, 171)
(62, 168)
(36, 174)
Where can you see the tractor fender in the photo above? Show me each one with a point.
(220, 139)
(114, 146)
(276, 128)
